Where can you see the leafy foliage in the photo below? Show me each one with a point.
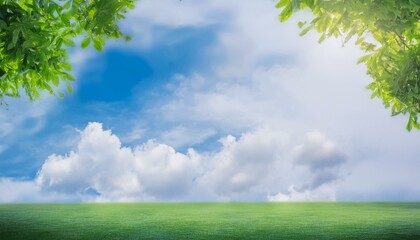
(388, 31)
(35, 36)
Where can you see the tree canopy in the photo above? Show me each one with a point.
(35, 36)
(388, 31)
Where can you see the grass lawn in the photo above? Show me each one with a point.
(211, 221)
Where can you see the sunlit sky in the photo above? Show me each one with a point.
(210, 101)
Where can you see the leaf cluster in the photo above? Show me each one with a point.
(388, 31)
(35, 36)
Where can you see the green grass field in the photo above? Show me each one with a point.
(211, 221)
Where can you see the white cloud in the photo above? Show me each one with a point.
(323, 159)
(17, 191)
(156, 171)
(164, 172)
(322, 193)
(93, 164)
(243, 165)
(100, 164)
(13, 190)
(101, 169)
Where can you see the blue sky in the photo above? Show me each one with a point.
(211, 101)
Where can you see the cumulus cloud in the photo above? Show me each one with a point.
(243, 165)
(321, 155)
(101, 166)
(323, 159)
(164, 172)
(102, 170)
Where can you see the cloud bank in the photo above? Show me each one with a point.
(100, 169)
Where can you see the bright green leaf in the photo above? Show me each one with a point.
(86, 42)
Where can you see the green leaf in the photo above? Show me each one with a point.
(86, 42)
(286, 13)
(322, 38)
(410, 124)
(301, 24)
(283, 3)
(10, 46)
(363, 59)
(69, 88)
(67, 66)
(130, 5)
(98, 43)
(374, 94)
(68, 42)
(55, 80)
(359, 40)
(306, 30)
(3, 24)
(15, 36)
(67, 5)
(67, 76)
(47, 87)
